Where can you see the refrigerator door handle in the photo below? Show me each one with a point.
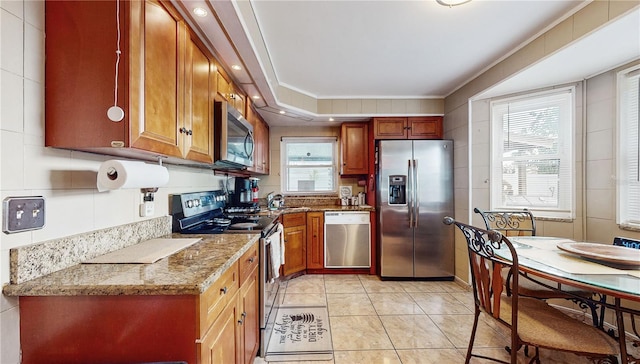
(409, 193)
(416, 192)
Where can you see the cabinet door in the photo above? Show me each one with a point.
(199, 94)
(261, 156)
(428, 127)
(295, 255)
(223, 86)
(354, 139)
(249, 317)
(221, 343)
(390, 128)
(155, 107)
(315, 240)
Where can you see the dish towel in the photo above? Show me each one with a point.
(276, 252)
(281, 233)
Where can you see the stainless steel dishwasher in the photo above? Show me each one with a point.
(347, 240)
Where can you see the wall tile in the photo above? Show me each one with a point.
(47, 168)
(34, 13)
(600, 145)
(601, 87)
(34, 108)
(398, 106)
(69, 212)
(339, 106)
(14, 7)
(10, 334)
(559, 36)
(383, 107)
(11, 31)
(601, 174)
(369, 106)
(11, 102)
(33, 53)
(601, 115)
(354, 106)
(12, 161)
(590, 17)
(112, 208)
(601, 204)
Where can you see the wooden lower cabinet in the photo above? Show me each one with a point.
(249, 330)
(220, 325)
(221, 343)
(233, 336)
(295, 243)
(315, 240)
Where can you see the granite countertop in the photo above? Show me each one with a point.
(188, 272)
(319, 208)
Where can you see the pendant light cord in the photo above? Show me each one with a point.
(118, 52)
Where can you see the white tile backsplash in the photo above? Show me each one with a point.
(11, 32)
(34, 13)
(600, 145)
(9, 327)
(12, 160)
(34, 109)
(14, 7)
(11, 102)
(33, 53)
(47, 168)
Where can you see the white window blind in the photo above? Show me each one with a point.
(309, 165)
(628, 147)
(532, 153)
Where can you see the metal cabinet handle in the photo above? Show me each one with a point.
(251, 260)
(224, 290)
(241, 321)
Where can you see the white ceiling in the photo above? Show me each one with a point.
(400, 49)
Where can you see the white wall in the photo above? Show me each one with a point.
(66, 179)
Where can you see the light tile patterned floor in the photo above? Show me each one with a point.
(392, 322)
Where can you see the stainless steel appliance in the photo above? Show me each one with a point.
(415, 192)
(234, 138)
(207, 213)
(347, 240)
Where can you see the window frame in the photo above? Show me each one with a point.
(566, 154)
(626, 147)
(284, 168)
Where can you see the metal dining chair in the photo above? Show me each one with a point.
(530, 321)
(523, 223)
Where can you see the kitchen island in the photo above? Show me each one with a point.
(191, 306)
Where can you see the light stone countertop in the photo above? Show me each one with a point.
(188, 272)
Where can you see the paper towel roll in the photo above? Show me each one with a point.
(114, 174)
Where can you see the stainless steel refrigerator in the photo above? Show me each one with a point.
(415, 192)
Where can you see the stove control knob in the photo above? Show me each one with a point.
(190, 203)
(196, 202)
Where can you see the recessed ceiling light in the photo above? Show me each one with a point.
(331, 119)
(451, 3)
(200, 12)
(236, 67)
(282, 112)
(255, 97)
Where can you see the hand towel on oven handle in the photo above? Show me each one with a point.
(276, 250)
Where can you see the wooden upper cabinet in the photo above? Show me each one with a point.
(200, 89)
(261, 141)
(354, 143)
(164, 92)
(427, 127)
(390, 128)
(423, 127)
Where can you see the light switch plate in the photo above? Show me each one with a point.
(22, 214)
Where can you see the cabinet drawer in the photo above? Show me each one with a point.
(248, 262)
(296, 219)
(216, 297)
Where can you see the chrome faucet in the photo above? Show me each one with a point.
(271, 201)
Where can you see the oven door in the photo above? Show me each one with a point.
(271, 292)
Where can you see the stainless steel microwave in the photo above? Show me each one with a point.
(234, 138)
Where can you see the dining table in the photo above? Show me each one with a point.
(611, 273)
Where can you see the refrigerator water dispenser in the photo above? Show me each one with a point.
(397, 190)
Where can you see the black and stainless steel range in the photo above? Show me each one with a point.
(208, 213)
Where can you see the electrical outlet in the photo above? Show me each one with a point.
(22, 214)
(146, 209)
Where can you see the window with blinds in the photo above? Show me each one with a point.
(628, 147)
(308, 165)
(532, 159)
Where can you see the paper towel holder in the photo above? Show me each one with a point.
(148, 193)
